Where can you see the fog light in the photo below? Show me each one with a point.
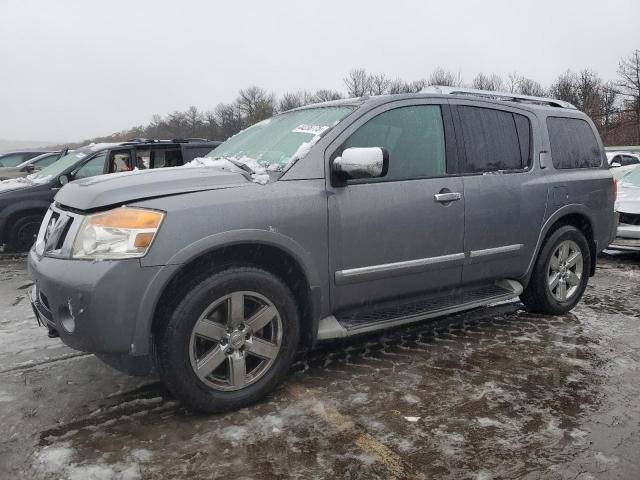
(67, 321)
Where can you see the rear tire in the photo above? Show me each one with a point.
(560, 274)
(23, 232)
(230, 340)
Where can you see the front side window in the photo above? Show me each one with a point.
(414, 138)
(494, 140)
(573, 144)
(279, 141)
(93, 167)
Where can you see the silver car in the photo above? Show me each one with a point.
(324, 222)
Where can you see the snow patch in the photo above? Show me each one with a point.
(410, 398)
(55, 458)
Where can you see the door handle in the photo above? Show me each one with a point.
(447, 197)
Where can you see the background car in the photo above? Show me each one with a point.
(13, 159)
(628, 208)
(30, 166)
(24, 201)
(622, 163)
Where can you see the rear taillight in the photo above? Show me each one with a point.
(615, 188)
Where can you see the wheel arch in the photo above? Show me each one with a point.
(272, 256)
(578, 216)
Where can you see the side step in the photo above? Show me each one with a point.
(392, 314)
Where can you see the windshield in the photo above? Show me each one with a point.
(37, 159)
(57, 168)
(279, 141)
(633, 177)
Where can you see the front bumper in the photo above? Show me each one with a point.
(94, 306)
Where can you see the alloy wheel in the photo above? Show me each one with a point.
(235, 341)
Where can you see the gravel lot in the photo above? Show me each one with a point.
(493, 393)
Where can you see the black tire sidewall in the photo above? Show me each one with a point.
(173, 348)
(13, 241)
(563, 233)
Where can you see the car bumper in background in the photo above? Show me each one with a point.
(627, 236)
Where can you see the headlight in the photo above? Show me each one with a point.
(116, 234)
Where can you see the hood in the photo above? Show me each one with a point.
(628, 200)
(118, 188)
(13, 184)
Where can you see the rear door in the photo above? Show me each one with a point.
(505, 194)
(391, 237)
(159, 156)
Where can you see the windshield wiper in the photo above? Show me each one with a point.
(239, 164)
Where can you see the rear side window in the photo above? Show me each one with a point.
(195, 152)
(573, 144)
(494, 139)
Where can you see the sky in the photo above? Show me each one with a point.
(71, 70)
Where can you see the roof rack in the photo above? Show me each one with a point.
(173, 140)
(505, 96)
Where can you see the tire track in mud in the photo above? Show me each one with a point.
(154, 398)
(47, 361)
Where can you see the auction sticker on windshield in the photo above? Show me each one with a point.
(310, 129)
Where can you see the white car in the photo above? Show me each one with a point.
(622, 163)
(628, 207)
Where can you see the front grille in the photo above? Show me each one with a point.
(629, 219)
(56, 231)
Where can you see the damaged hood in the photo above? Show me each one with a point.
(628, 198)
(119, 188)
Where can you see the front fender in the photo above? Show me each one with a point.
(147, 306)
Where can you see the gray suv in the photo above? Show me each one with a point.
(324, 222)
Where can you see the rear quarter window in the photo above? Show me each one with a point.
(573, 144)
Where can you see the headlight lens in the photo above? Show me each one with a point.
(116, 234)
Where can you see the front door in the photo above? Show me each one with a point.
(398, 236)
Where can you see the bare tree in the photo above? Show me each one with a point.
(565, 87)
(512, 82)
(378, 84)
(629, 84)
(255, 103)
(442, 77)
(291, 100)
(609, 99)
(488, 82)
(527, 86)
(358, 82)
(589, 94)
(326, 95)
(398, 85)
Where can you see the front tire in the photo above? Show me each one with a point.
(230, 340)
(23, 232)
(560, 274)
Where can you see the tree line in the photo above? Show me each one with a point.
(613, 105)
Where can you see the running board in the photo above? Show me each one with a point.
(393, 314)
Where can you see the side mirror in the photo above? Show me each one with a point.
(63, 179)
(30, 168)
(615, 165)
(368, 162)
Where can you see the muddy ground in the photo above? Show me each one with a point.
(492, 393)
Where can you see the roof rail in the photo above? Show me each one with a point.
(510, 97)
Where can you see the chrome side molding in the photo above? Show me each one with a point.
(374, 272)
